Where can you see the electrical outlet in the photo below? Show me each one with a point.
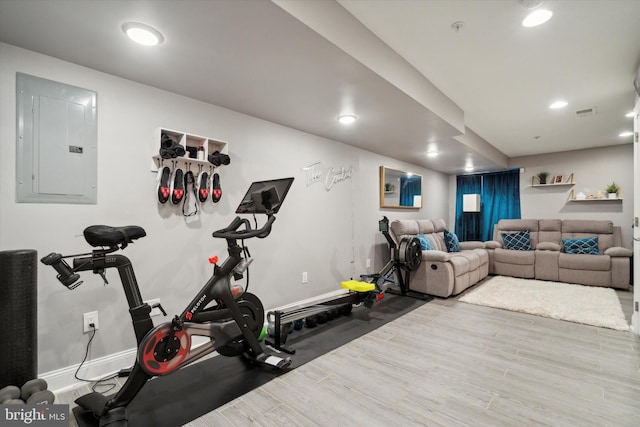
(305, 277)
(88, 318)
(368, 262)
(154, 311)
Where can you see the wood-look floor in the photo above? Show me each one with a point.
(448, 363)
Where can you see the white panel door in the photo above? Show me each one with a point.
(635, 320)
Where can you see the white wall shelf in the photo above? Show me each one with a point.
(186, 140)
(572, 198)
(596, 200)
(563, 182)
(560, 184)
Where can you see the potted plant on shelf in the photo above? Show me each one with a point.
(612, 190)
(542, 177)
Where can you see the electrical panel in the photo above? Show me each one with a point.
(57, 142)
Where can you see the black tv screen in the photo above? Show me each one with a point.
(265, 196)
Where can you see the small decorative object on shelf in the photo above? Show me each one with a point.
(200, 154)
(542, 177)
(599, 196)
(612, 190)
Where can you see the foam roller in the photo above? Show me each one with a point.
(18, 316)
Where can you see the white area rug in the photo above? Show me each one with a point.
(589, 305)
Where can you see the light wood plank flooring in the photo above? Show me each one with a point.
(449, 363)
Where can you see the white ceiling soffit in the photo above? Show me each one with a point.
(251, 57)
(337, 25)
(504, 76)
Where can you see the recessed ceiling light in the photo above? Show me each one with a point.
(626, 134)
(347, 118)
(630, 114)
(432, 154)
(468, 168)
(537, 17)
(559, 104)
(142, 33)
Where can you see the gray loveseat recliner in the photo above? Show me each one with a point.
(442, 273)
(549, 257)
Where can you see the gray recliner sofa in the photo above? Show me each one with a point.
(552, 255)
(442, 273)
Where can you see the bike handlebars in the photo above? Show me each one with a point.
(70, 279)
(231, 232)
(66, 276)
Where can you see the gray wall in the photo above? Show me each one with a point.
(593, 170)
(328, 233)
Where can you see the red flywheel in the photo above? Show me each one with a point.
(163, 352)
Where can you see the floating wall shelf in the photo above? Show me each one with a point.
(596, 200)
(567, 183)
(561, 184)
(572, 198)
(187, 141)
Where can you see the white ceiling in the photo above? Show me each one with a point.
(291, 62)
(504, 75)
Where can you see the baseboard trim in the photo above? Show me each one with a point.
(64, 378)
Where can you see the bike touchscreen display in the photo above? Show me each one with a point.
(265, 196)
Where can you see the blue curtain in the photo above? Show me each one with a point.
(500, 199)
(467, 223)
(409, 187)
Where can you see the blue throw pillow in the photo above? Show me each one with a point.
(586, 245)
(518, 241)
(425, 243)
(451, 241)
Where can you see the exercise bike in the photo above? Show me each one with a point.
(231, 318)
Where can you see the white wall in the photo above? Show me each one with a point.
(329, 234)
(593, 170)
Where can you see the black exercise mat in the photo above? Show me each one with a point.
(310, 343)
(195, 390)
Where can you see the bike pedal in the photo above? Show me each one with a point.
(275, 361)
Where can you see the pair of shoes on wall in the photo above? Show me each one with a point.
(173, 186)
(170, 186)
(204, 190)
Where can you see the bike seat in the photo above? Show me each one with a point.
(104, 235)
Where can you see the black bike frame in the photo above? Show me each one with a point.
(101, 260)
(219, 324)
